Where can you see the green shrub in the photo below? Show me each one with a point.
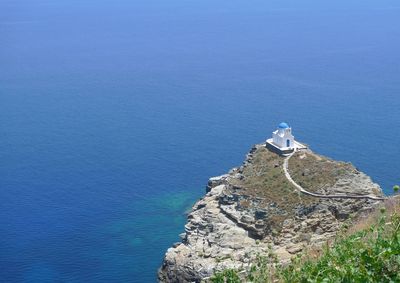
(226, 276)
(371, 255)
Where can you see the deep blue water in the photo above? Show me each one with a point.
(113, 115)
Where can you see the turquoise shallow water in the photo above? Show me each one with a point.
(115, 113)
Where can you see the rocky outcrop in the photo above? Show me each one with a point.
(253, 210)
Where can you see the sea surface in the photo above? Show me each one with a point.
(114, 114)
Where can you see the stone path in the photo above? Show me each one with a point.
(304, 191)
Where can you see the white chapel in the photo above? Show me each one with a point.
(283, 137)
(283, 140)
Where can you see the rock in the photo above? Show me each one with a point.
(293, 249)
(232, 224)
(216, 181)
(283, 255)
(247, 219)
(259, 224)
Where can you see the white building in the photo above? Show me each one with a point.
(283, 141)
(283, 137)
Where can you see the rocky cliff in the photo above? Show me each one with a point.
(255, 209)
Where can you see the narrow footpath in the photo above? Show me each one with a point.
(304, 191)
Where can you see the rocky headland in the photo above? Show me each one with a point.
(256, 209)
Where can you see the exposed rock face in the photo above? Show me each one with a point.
(253, 209)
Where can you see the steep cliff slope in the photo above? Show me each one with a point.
(255, 208)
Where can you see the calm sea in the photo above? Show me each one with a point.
(113, 115)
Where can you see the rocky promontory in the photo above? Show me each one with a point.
(255, 209)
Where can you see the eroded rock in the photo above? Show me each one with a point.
(252, 210)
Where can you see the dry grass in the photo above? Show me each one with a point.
(314, 172)
(264, 178)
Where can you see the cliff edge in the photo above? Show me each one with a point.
(259, 207)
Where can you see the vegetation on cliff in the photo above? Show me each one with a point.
(253, 220)
(368, 251)
(262, 177)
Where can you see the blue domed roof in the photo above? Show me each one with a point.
(283, 125)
